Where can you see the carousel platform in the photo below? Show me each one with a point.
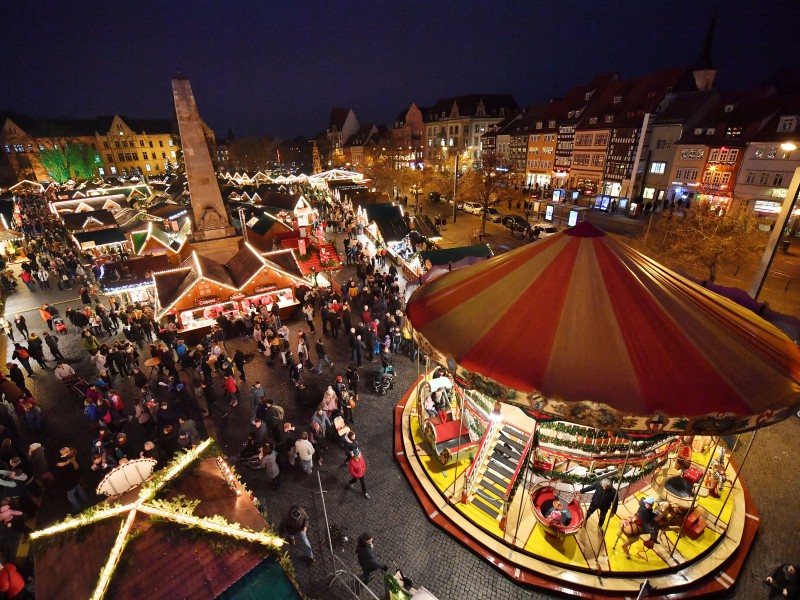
(586, 564)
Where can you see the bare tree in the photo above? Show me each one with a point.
(706, 238)
(485, 182)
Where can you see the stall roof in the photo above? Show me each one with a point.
(92, 219)
(170, 285)
(138, 268)
(454, 255)
(167, 210)
(425, 227)
(285, 261)
(100, 237)
(112, 202)
(244, 265)
(389, 220)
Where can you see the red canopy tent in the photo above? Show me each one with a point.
(583, 328)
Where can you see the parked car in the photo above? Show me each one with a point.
(473, 208)
(493, 215)
(515, 223)
(548, 231)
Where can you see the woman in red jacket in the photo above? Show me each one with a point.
(231, 391)
(357, 468)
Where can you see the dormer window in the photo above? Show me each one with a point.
(710, 131)
(698, 131)
(551, 124)
(729, 108)
(538, 124)
(592, 120)
(787, 124)
(617, 99)
(588, 95)
(571, 114)
(609, 118)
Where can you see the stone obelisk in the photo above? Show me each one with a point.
(213, 234)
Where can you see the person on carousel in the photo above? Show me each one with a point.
(646, 516)
(559, 514)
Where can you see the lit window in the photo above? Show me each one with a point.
(147, 167)
(609, 118)
(658, 168)
(170, 142)
(617, 99)
(649, 193)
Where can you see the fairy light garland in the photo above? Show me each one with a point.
(147, 492)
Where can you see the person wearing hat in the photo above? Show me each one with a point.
(70, 477)
(294, 527)
(784, 582)
(357, 468)
(603, 498)
(646, 516)
(365, 551)
(41, 470)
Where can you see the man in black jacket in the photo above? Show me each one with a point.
(367, 559)
(294, 527)
(605, 497)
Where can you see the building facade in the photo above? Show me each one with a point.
(407, 138)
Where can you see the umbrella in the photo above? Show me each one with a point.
(583, 328)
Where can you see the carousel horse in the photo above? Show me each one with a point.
(668, 516)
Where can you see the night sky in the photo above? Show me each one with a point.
(278, 67)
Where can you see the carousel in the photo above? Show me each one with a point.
(576, 414)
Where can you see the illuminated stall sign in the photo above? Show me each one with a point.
(207, 300)
(260, 289)
(236, 296)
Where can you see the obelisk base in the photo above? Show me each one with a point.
(220, 249)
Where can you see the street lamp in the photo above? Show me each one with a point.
(778, 231)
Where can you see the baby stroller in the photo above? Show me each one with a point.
(384, 380)
(60, 325)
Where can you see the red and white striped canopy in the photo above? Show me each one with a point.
(582, 327)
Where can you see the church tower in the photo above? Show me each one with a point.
(703, 68)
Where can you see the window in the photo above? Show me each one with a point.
(597, 160)
(101, 171)
(601, 139)
(144, 155)
(105, 145)
(759, 153)
(729, 108)
(687, 174)
(538, 124)
(733, 132)
(693, 154)
(617, 99)
(120, 157)
(580, 159)
(203, 288)
(135, 156)
(609, 118)
(164, 154)
(649, 193)
(41, 148)
(550, 137)
(124, 143)
(584, 139)
(551, 124)
(777, 180)
(147, 167)
(787, 124)
(763, 178)
(151, 143)
(662, 144)
(160, 143)
(698, 131)
(170, 142)
(547, 150)
(141, 143)
(110, 158)
(113, 170)
(751, 177)
(658, 168)
(710, 131)
(127, 156)
(592, 120)
(116, 144)
(588, 95)
(773, 152)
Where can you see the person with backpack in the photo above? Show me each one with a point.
(23, 357)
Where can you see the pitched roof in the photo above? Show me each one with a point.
(100, 237)
(338, 118)
(211, 269)
(244, 265)
(679, 108)
(172, 284)
(90, 219)
(285, 261)
(788, 106)
(495, 105)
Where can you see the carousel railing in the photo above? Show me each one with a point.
(472, 471)
(507, 495)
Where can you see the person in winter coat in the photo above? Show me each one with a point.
(16, 375)
(357, 468)
(41, 470)
(231, 391)
(269, 458)
(46, 317)
(367, 560)
(23, 357)
(52, 345)
(36, 350)
(21, 325)
(89, 342)
(294, 527)
(604, 498)
(305, 452)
